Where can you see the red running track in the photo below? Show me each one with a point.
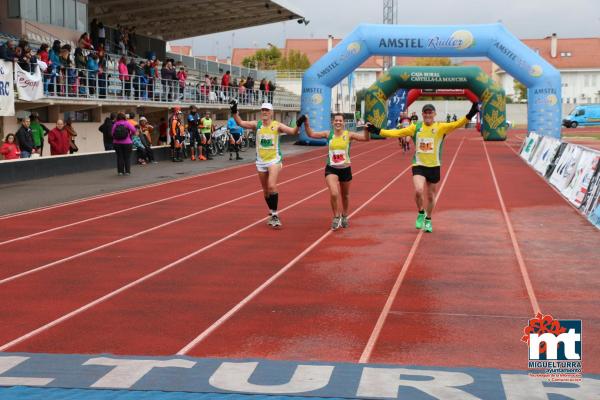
(220, 283)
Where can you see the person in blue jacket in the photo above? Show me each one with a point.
(235, 138)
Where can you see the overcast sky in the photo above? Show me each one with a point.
(526, 19)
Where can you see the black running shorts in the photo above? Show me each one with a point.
(343, 174)
(431, 174)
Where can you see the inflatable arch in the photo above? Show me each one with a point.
(490, 40)
(490, 93)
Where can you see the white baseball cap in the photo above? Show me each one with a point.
(267, 106)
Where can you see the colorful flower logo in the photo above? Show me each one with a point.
(552, 99)
(542, 324)
(317, 98)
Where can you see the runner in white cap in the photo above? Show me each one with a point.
(268, 153)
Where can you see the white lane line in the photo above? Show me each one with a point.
(140, 233)
(513, 238)
(151, 185)
(112, 294)
(140, 206)
(368, 350)
(272, 279)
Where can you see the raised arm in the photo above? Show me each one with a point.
(234, 111)
(315, 135)
(408, 131)
(448, 127)
(365, 137)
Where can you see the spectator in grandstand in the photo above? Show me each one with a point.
(152, 75)
(58, 138)
(132, 40)
(270, 91)
(146, 129)
(25, 138)
(414, 118)
(52, 73)
(226, 79)
(27, 61)
(94, 32)
(142, 81)
(81, 65)
(122, 133)
(242, 91)
(124, 77)
(250, 89)
(67, 72)
(102, 74)
(168, 75)
(262, 87)
(131, 67)
(101, 35)
(163, 127)
(235, 141)
(72, 135)
(106, 129)
(38, 132)
(85, 42)
(122, 40)
(9, 149)
(181, 77)
(92, 73)
(8, 51)
(225, 84)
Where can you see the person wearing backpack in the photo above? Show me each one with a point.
(122, 131)
(428, 137)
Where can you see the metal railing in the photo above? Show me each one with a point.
(74, 83)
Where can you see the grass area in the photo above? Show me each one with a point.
(583, 135)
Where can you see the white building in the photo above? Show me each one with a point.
(578, 61)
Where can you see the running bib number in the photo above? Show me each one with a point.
(337, 157)
(425, 145)
(266, 142)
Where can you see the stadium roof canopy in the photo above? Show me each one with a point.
(180, 19)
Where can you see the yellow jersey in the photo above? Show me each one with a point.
(429, 140)
(267, 143)
(339, 150)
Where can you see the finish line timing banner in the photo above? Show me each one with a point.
(283, 378)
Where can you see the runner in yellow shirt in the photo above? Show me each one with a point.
(428, 137)
(338, 171)
(268, 153)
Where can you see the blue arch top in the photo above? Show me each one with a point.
(491, 40)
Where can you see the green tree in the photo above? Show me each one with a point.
(431, 61)
(263, 59)
(520, 90)
(294, 61)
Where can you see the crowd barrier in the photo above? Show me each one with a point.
(13, 171)
(572, 169)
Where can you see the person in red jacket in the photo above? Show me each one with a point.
(9, 148)
(59, 139)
